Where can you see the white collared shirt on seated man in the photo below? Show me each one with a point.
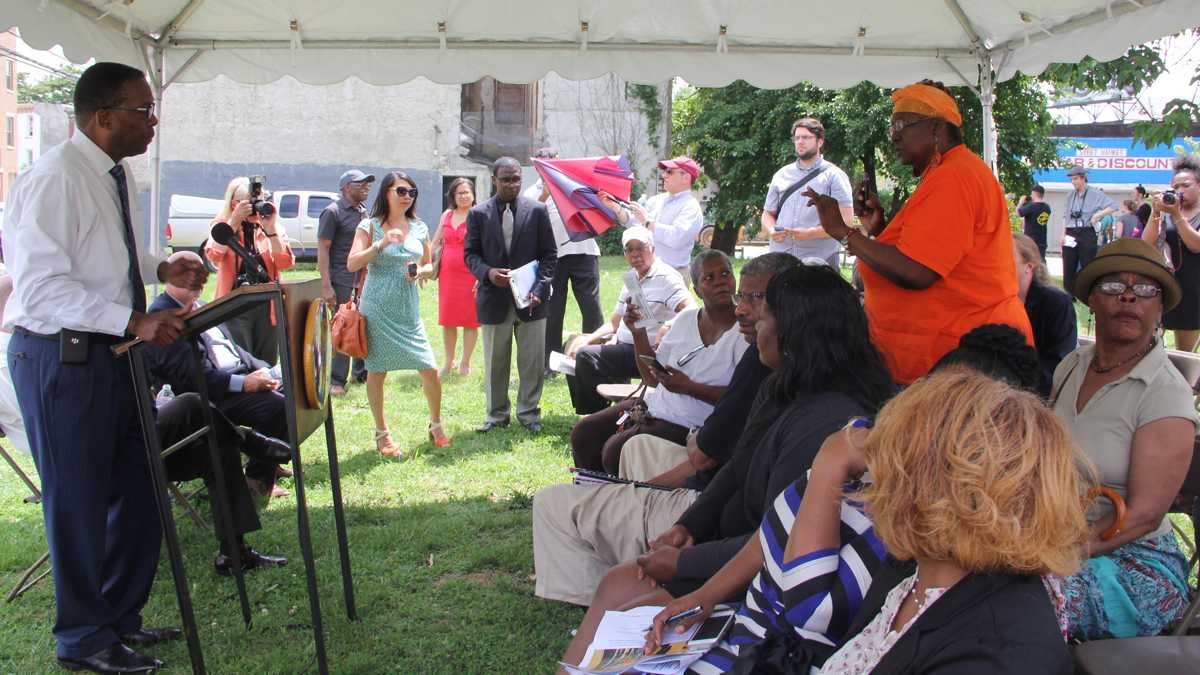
(683, 349)
(664, 290)
(62, 233)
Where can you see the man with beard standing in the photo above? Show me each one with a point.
(78, 270)
(788, 220)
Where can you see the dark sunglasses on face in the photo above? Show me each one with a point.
(406, 191)
(1118, 288)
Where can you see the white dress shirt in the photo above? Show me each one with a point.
(663, 289)
(677, 220)
(564, 243)
(64, 242)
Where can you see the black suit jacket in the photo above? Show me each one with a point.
(533, 239)
(985, 624)
(175, 363)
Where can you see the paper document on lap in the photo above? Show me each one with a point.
(619, 640)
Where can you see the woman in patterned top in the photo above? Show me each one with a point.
(970, 478)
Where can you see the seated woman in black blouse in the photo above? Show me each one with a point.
(1051, 311)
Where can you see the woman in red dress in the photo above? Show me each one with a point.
(456, 285)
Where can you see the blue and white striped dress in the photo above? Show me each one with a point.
(816, 595)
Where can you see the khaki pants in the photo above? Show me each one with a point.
(644, 456)
(582, 531)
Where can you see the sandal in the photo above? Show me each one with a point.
(383, 443)
(436, 435)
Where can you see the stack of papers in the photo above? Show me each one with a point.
(561, 363)
(620, 638)
(521, 282)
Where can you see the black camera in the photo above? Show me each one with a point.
(1077, 215)
(260, 197)
(1170, 197)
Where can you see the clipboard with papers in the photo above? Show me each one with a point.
(521, 282)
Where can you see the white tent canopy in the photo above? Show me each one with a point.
(768, 43)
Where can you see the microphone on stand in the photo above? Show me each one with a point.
(223, 234)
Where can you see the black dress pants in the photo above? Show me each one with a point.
(1075, 257)
(583, 273)
(180, 417)
(599, 364)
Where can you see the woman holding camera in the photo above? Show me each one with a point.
(1174, 224)
(393, 244)
(253, 330)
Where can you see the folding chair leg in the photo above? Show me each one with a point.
(21, 586)
(187, 506)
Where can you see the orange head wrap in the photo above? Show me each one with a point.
(923, 99)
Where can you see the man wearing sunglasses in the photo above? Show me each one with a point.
(673, 216)
(75, 251)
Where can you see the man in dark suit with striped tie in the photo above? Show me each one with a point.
(504, 233)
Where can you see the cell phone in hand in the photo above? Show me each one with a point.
(412, 269)
(652, 363)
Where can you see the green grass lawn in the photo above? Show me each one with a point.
(441, 545)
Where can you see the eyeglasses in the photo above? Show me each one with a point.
(739, 298)
(509, 179)
(899, 125)
(406, 191)
(146, 110)
(686, 358)
(1118, 288)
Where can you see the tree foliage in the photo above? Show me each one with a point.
(740, 135)
(57, 88)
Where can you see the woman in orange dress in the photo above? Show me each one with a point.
(456, 286)
(944, 264)
(252, 330)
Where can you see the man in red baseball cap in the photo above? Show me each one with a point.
(673, 216)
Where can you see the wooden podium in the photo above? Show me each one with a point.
(304, 351)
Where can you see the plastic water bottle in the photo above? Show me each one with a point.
(164, 396)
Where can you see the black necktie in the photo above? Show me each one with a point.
(135, 273)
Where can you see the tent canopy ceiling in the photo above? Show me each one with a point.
(769, 43)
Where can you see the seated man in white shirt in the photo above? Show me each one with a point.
(607, 355)
(239, 385)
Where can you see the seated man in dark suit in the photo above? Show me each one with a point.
(183, 415)
(239, 385)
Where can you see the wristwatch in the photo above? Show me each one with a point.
(845, 241)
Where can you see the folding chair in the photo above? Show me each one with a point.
(35, 497)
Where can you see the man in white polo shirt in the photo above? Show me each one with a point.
(673, 216)
(787, 220)
(606, 355)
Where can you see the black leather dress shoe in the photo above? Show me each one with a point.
(261, 446)
(251, 560)
(489, 425)
(115, 659)
(145, 637)
(532, 427)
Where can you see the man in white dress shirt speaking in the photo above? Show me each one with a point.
(72, 235)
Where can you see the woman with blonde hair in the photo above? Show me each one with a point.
(1051, 311)
(971, 482)
(252, 330)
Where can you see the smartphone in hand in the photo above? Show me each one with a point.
(652, 363)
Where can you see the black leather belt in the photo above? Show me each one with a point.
(1080, 229)
(96, 338)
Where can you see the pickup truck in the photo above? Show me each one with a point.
(188, 219)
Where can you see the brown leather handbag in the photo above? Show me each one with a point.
(349, 326)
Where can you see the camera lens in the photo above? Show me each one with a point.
(264, 208)
(1169, 197)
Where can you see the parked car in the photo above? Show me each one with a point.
(188, 219)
